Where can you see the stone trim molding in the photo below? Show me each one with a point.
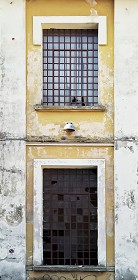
(69, 22)
(72, 268)
(39, 165)
(44, 108)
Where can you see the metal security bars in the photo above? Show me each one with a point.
(70, 217)
(70, 67)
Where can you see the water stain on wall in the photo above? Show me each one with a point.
(14, 217)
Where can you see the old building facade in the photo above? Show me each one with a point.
(68, 139)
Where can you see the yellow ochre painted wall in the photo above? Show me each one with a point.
(72, 152)
(95, 126)
(46, 127)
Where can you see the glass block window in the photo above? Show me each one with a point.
(70, 67)
(70, 217)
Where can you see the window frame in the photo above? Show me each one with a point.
(69, 22)
(39, 165)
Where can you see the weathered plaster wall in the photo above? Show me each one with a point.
(12, 135)
(90, 126)
(48, 126)
(126, 139)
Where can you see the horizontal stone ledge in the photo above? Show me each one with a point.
(69, 268)
(67, 144)
(44, 108)
(126, 139)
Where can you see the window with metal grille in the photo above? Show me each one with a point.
(70, 67)
(70, 217)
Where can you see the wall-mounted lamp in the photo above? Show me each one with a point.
(69, 127)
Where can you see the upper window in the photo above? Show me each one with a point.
(70, 67)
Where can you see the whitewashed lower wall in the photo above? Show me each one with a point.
(126, 140)
(126, 210)
(12, 210)
(12, 140)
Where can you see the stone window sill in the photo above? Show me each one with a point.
(70, 268)
(43, 108)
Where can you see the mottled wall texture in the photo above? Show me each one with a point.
(29, 131)
(93, 136)
(12, 139)
(90, 126)
(126, 139)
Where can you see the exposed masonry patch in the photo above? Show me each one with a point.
(12, 170)
(1, 60)
(2, 212)
(66, 139)
(2, 70)
(3, 136)
(126, 143)
(130, 201)
(131, 149)
(14, 217)
(72, 276)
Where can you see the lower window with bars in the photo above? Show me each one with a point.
(70, 217)
(70, 67)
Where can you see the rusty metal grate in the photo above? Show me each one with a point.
(70, 67)
(70, 216)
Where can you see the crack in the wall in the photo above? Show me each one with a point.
(2, 161)
(2, 71)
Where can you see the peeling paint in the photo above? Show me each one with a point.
(12, 139)
(131, 149)
(2, 71)
(126, 137)
(14, 217)
(70, 276)
(130, 200)
(89, 125)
